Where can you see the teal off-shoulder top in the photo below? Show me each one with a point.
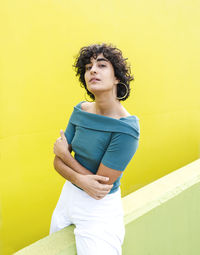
(99, 139)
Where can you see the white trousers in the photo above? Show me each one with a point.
(99, 225)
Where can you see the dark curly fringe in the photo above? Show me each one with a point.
(114, 55)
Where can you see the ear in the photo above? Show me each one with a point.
(116, 81)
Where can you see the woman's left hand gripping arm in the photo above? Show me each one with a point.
(61, 150)
(61, 146)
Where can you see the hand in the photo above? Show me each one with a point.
(92, 186)
(61, 145)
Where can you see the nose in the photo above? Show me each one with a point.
(93, 69)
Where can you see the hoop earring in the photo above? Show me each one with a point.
(86, 98)
(126, 91)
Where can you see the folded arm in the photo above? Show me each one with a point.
(95, 185)
(71, 162)
(103, 170)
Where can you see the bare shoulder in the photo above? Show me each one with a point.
(124, 112)
(86, 106)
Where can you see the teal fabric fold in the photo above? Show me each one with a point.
(128, 125)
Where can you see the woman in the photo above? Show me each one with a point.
(104, 137)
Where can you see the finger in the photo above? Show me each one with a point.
(103, 193)
(92, 195)
(101, 178)
(62, 134)
(97, 197)
(101, 196)
(106, 187)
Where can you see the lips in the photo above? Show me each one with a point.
(94, 79)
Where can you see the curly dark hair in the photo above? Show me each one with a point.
(122, 70)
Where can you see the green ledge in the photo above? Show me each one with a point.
(160, 218)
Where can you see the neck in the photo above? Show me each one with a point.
(106, 105)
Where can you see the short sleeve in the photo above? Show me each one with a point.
(69, 132)
(120, 151)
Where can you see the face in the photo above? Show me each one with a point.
(102, 72)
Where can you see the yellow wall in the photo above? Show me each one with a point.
(39, 40)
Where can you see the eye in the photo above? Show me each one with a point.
(88, 67)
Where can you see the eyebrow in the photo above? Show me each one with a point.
(100, 59)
